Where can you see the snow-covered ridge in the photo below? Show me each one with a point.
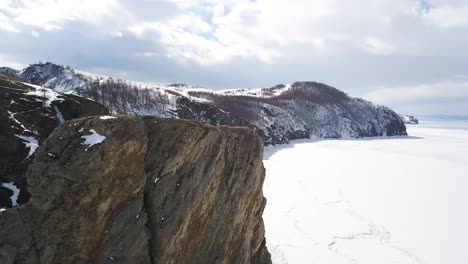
(67, 79)
(280, 113)
(253, 92)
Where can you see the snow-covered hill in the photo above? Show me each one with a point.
(308, 109)
(280, 113)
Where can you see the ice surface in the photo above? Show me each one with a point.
(387, 200)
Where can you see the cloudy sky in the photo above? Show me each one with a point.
(409, 54)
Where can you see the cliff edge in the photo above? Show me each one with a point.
(140, 190)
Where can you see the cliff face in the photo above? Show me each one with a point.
(131, 190)
(206, 197)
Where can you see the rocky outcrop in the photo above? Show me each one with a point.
(28, 114)
(131, 190)
(409, 119)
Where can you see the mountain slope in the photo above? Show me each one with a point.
(280, 113)
(28, 114)
(60, 78)
(310, 109)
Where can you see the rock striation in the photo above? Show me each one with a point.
(140, 190)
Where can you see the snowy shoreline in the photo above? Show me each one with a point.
(370, 201)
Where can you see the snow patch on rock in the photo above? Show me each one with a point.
(107, 117)
(47, 94)
(59, 115)
(93, 139)
(12, 117)
(30, 142)
(16, 192)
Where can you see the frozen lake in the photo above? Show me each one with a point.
(374, 201)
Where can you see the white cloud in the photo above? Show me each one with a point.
(455, 16)
(353, 44)
(52, 14)
(6, 61)
(189, 37)
(213, 32)
(219, 31)
(377, 46)
(35, 34)
(116, 34)
(269, 30)
(190, 22)
(6, 24)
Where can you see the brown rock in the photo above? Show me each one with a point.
(206, 197)
(153, 191)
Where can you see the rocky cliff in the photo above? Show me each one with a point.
(130, 190)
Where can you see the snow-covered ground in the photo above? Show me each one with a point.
(397, 200)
